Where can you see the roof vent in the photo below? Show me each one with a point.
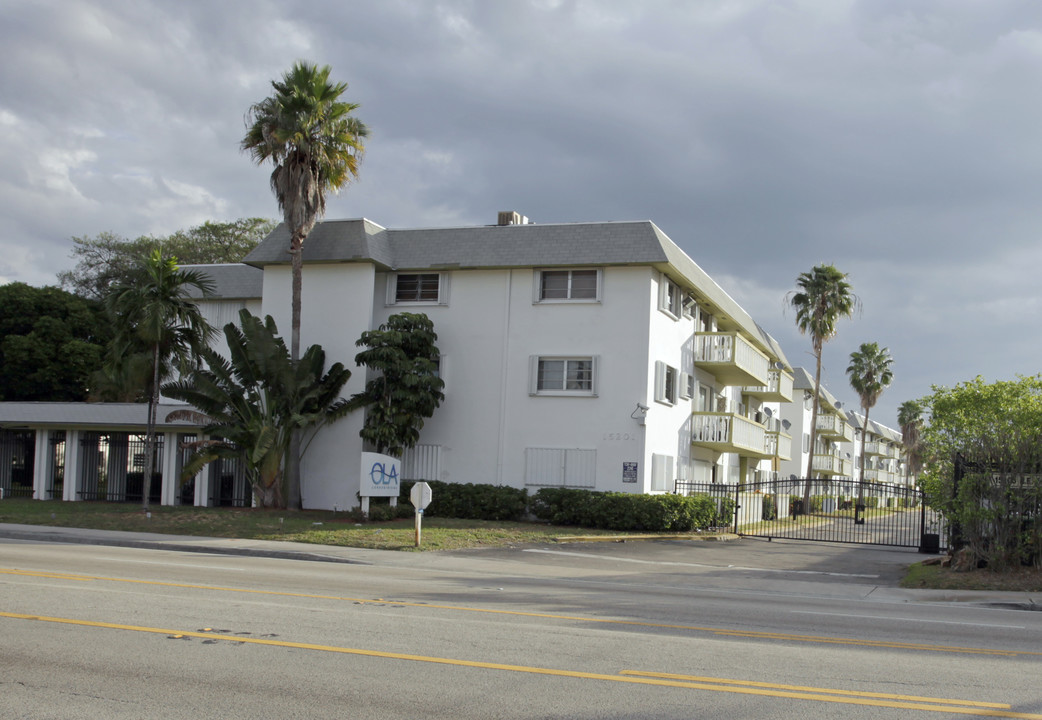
(510, 217)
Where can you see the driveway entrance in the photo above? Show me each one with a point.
(840, 511)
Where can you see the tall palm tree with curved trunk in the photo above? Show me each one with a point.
(822, 297)
(315, 144)
(153, 311)
(910, 418)
(870, 374)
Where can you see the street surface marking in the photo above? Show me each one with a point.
(698, 565)
(740, 687)
(905, 619)
(758, 635)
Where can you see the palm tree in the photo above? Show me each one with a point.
(822, 297)
(910, 418)
(315, 143)
(870, 374)
(252, 403)
(153, 311)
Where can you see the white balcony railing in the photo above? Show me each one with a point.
(731, 358)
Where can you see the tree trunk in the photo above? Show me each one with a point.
(150, 432)
(292, 474)
(861, 483)
(813, 433)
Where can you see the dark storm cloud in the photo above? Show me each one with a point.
(899, 142)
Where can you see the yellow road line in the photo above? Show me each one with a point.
(571, 618)
(631, 677)
(827, 691)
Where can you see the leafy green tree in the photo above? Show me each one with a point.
(153, 311)
(406, 388)
(51, 343)
(996, 431)
(963, 416)
(910, 420)
(822, 297)
(870, 374)
(252, 401)
(315, 144)
(107, 258)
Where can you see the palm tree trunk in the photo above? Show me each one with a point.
(813, 434)
(150, 431)
(861, 483)
(292, 474)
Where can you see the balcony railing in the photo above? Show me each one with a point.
(830, 464)
(874, 448)
(779, 444)
(728, 432)
(731, 359)
(779, 387)
(833, 426)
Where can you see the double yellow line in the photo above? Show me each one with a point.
(756, 635)
(743, 687)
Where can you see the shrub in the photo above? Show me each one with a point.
(627, 511)
(470, 501)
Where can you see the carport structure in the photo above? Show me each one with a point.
(96, 451)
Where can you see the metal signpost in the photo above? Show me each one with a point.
(420, 497)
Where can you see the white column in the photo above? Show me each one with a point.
(42, 464)
(71, 485)
(168, 494)
(202, 482)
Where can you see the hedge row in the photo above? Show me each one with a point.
(471, 502)
(627, 511)
(567, 506)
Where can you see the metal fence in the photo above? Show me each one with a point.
(839, 511)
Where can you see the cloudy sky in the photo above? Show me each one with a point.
(899, 140)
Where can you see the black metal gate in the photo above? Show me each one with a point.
(838, 510)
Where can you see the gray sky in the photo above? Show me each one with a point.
(900, 141)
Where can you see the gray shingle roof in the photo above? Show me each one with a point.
(231, 281)
(505, 246)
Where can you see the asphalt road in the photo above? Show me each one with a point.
(620, 630)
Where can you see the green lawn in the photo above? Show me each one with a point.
(308, 526)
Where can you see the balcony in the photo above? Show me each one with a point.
(728, 432)
(831, 425)
(779, 387)
(779, 444)
(731, 359)
(875, 448)
(832, 464)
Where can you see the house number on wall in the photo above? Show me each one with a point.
(619, 436)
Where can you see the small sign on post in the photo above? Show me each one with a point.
(420, 497)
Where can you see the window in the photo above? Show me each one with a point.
(563, 285)
(687, 386)
(563, 376)
(666, 378)
(670, 300)
(426, 288)
(661, 473)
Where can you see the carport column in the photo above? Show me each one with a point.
(73, 475)
(43, 464)
(202, 483)
(171, 485)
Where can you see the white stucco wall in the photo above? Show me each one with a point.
(336, 308)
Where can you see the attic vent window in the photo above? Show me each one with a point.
(510, 217)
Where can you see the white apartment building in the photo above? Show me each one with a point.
(833, 457)
(840, 434)
(588, 355)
